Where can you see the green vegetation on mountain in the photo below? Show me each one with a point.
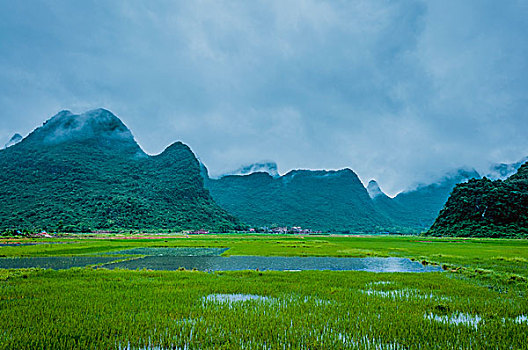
(85, 172)
(331, 201)
(318, 200)
(82, 173)
(485, 208)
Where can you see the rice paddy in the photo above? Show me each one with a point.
(81, 308)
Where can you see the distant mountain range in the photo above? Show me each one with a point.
(86, 172)
(331, 200)
(416, 210)
(319, 200)
(486, 208)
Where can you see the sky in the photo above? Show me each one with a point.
(398, 91)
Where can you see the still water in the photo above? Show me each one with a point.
(209, 259)
(275, 263)
(52, 262)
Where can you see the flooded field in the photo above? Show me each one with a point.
(163, 251)
(55, 263)
(209, 259)
(294, 300)
(170, 260)
(273, 263)
(107, 309)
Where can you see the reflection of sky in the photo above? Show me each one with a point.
(216, 263)
(56, 263)
(396, 265)
(230, 298)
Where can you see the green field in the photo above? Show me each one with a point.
(478, 302)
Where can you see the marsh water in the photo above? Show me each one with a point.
(275, 263)
(53, 262)
(209, 259)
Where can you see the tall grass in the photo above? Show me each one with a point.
(84, 308)
(479, 302)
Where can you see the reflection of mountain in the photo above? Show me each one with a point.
(487, 208)
(319, 200)
(81, 172)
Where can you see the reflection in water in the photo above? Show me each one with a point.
(521, 319)
(175, 251)
(52, 262)
(275, 263)
(469, 320)
(230, 298)
(405, 294)
(456, 319)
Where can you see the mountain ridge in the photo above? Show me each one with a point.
(418, 208)
(86, 172)
(318, 200)
(413, 211)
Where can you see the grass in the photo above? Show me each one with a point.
(84, 308)
(483, 289)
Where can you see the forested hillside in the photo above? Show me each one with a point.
(486, 208)
(330, 200)
(85, 172)
(319, 200)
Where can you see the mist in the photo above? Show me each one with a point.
(400, 91)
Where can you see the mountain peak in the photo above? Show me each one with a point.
(176, 146)
(449, 179)
(269, 167)
(374, 190)
(14, 140)
(176, 150)
(466, 174)
(97, 123)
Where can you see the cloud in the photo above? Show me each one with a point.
(400, 91)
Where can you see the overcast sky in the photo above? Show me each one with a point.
(399, 91)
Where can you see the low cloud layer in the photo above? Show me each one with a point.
(399, 91)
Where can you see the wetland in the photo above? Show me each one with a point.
(478, 299)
